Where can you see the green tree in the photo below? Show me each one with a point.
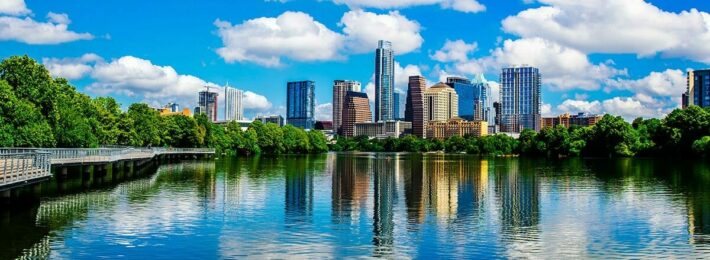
(319, 144)
(146, 123)
(295, 140)
(22, 123)
(613, 137)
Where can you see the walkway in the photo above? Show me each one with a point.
(20, 166)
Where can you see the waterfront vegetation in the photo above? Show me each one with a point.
(684, 132)
(37, 110)
(40, 111)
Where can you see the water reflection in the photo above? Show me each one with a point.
(381, 205)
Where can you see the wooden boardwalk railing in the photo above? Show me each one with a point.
(25, 165)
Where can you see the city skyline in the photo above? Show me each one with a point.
(623, 72)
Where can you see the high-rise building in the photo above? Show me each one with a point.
(520, 99)
(484, 100)
(414, 109)
(356, 109)
(497, 112)
(698, 92)
(173, 107)
(396, 95)
(233, 106)
(208, 104)
(441, 103)
(301, 104)
(340, 89)
(384, 82)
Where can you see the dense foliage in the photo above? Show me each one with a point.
(37, 110)
(682, 133)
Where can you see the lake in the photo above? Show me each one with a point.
(371, 205)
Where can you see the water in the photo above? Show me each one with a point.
(373, 205)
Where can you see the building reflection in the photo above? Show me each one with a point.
(384, 174)
(350, 188)
(299, 191)
(473, 185)
(519, 194)
(441, 186)
(413, 175)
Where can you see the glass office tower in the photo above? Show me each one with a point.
(301, 104)
(384, 82)
(520, 99)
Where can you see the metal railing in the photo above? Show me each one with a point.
(20, 165)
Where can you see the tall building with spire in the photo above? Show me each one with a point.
(384, 82)
(520, 99)
(340, 89)
(414, 108)
(233, 104)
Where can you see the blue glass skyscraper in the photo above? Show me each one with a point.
(301, 104)
(384, 82)
(473, 97)
(397, 98)
(520, 99)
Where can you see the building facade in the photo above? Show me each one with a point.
(384, 82)
(441, 103)
(397, 97)
(207, 104)
(456, 127)
(698, 92)
(383, 129)
(356, 109)
(568, 120)
(274, 119)
(414, 108)
(301, 104)
(233, 106)
(520, 99)
(340, 89)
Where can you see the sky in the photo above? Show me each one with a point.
(623, 57)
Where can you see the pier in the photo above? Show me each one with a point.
(24, 166)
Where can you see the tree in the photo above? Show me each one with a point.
(455, 144)
(146, 122)
(22, 123)
(702, 146)
(612, 137)
(180, 131)
(319, 144)
(295, 140)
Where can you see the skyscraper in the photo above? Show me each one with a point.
(233, 106)
(384, 82)
(396, 96)
(441, 103)
(698, 92)
(340, 89)
(208, 104)
(301, 104)
(356, 109)
(520, 99)
(414, 109)
(468, 96)
(484, 100)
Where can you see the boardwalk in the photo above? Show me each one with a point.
(24, 166)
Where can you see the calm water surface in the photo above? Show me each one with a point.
(372, 205)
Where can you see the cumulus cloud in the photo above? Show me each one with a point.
(454, 51)
(467, 6)
(294, 35)
(324, 112)
(29, 31)
(71, 68)
(612, 26)
(14, 7)
(139, 78)
(626, 107)
(668, 83)
(364, 29)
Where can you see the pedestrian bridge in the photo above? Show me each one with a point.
(20, 166)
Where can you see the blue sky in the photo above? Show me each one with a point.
(625, 57)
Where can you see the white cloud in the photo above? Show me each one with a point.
(71, 68)
(467, 6)
(14, 7)
(626, 107)
(454, 51)
(29, 31)
(613, 26)
(254, 101)
(546, 109)
(266, 40)
(135, 77)
(669, 83)
(324, 112)
(364, 29)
